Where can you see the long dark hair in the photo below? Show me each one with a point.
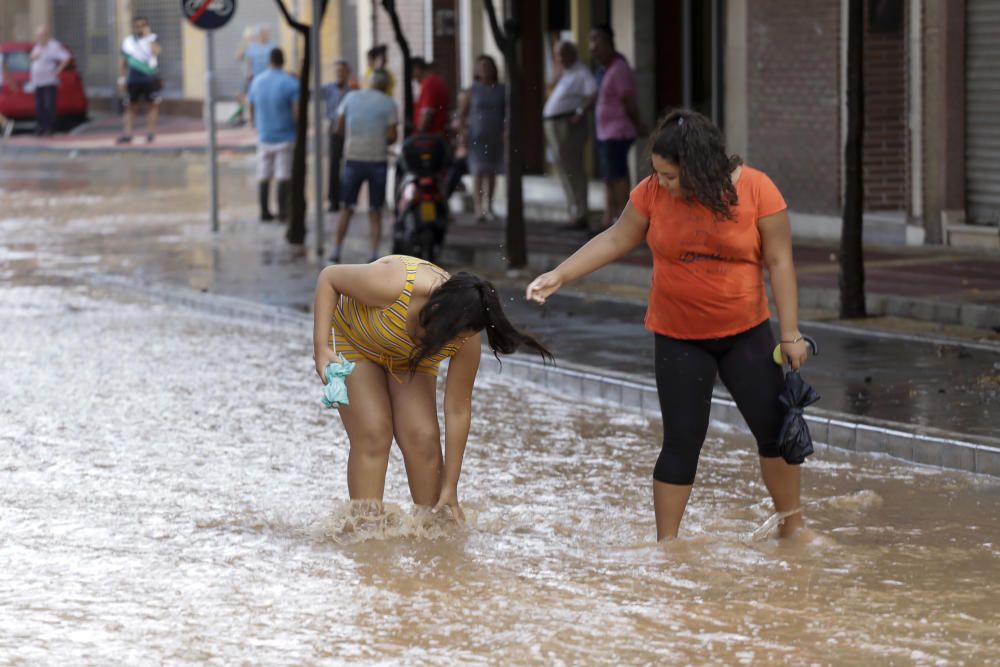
(696, 146)
(466, 302)
(488, 59)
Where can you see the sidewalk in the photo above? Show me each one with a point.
(939, 285)
(173, 134)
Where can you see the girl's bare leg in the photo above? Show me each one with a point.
(368, 420)
(415, 424)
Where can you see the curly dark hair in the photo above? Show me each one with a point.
(466, 302)
(694, 143)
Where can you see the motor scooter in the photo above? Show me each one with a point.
(421, 208)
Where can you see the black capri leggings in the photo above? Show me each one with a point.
(685, 375)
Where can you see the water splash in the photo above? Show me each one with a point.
(365, 520)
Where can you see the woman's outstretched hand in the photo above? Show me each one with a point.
(542, 287)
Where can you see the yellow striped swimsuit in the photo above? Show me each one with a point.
(379, 335)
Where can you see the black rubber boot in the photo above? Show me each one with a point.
(284, 199)
(264, 195)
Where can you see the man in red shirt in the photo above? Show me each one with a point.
(430, 113)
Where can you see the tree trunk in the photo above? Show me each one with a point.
(296, 232)
(404, 49)
(852, 265)
(509, 42)
(517, 243)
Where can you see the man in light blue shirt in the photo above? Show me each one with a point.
(258, 52)
(273, 100)
(367, 120)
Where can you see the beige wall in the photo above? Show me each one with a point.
(623, 23)
(329, 35)
(194, 61)
(19, 19)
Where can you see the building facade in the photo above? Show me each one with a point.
(771, 73)
(94, 29)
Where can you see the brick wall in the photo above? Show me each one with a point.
(793, 91)
(885, 137)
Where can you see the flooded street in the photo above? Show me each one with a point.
(172, 491)
(145, 218)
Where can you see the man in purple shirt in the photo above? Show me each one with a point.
(618, 120)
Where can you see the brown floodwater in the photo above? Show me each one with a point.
(171, 491)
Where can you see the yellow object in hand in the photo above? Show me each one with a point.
(777, 356)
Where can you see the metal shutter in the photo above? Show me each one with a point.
(165, 20)
(982, 111)
(69, 16)
(86, 27)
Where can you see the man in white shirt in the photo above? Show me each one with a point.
(140, 77)
(48, 59)
(565, 116)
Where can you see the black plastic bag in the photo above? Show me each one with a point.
(794, 441)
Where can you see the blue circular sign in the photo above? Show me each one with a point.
(208, 14)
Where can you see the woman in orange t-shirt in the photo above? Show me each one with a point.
(712, 224)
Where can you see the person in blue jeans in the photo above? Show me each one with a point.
(273, 100)
(367, 119)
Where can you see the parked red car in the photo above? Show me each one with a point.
(18, 104)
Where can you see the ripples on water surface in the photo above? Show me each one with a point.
(172, 491)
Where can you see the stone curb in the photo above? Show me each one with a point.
(917, 445)
(947, 450)
(974, 315)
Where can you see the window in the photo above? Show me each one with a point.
(16, 61)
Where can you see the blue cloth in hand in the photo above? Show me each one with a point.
(335, 390)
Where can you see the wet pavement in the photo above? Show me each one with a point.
(173, 134)
(144, 217)
(172, 492)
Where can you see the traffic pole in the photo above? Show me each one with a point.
(317, 124)
(213, 167)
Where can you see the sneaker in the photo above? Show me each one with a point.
(150, 137)
(266, 216)
(334, 258)
(124, 139)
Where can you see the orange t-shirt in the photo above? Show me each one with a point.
(708, 277)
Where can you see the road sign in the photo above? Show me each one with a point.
(208, 14)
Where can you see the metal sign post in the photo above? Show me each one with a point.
(210, 15)
(213, 162)
(317, 123)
